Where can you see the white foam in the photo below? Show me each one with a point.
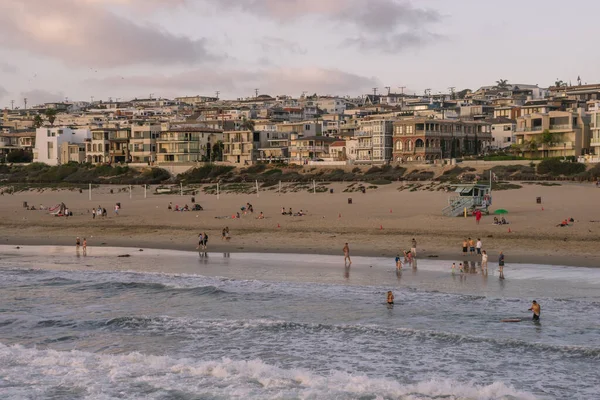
(114, 376)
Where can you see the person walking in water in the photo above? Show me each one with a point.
(501, 265)
(535, 307)
(84, 246)
(413, 248)
(77, 243)
(346, 250)
(484, 260)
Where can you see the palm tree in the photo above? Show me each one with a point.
(501, 84)
(248, 125)
(51, 115)
(559, 83)
(38, 121)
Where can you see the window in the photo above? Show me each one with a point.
(507, 128)
(307, 127)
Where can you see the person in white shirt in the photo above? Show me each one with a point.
(478, 246)
(484, 260)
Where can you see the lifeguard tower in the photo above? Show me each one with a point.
(470, 197)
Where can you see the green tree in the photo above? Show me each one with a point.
(248, 125)
(51, 115)
(19, 156)
(38, 121)
(217, 151)
(501, 84)
(547, 137)
(559, 83)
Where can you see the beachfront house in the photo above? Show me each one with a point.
(553, 134)
(377, 140)
(48, 142)
(305, 148)
(240, 147)
(503, 132)
(423, 139)
(142, 144)
(187, 144)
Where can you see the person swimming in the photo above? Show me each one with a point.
(535, 307)
(390, 298)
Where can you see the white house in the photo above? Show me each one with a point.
(49, 140)
(503, 132)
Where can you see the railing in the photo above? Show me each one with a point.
(364, 146)
(364, 134)
(457, 206)
(309, 148)
(560, 127)
(236, 152)
(596, 141)
(529, 129)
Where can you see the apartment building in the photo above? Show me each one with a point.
(420, 139)
(273, 146)
(305, 128)
(187, 144)
(375, 140)
(553, 134)
(142, 145)
(10, 141)
(48, 142)
(72, 152)
(595, 128)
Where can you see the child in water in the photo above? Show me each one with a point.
(398, 262)
(453, 268)
(390, 298)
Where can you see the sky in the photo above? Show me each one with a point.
(52, 50)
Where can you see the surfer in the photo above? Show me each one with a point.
(535, 307)
(346, 250)
(390, 298)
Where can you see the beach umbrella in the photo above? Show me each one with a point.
(501, 211)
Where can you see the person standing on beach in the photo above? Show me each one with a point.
(200, 241)
(346, 250)
(484, 260)
(77, 243)
(535, 307)
(84, 246)
(413, 248)
(501, 265)
(204, 240)
(478, 246)
(471, 246)
(465, 247)
(477, 216)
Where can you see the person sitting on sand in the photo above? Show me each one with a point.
(261, 216)
(563, 223)
(496, 222)
(390, 298)
(290, 213)
(283, 211)
(503, 221)
(170, 206)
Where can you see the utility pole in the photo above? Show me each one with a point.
(375, 91)
(25, 101)
(452, 88)
(217, 93)
(12, 104)
(388, 89)
(402, 96)
(256, 93)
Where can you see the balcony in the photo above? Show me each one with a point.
(566, 127)
(364, 134)
(595, 142)
(530, 129)
(315, 149)
(236, 152)
(364, 146)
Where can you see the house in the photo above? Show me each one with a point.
(108, 145)
(48, 142)
(595, 132)
(72, 152)
(503, 132)
(421, 139)
(187, 144)
(305, 128)
(142, 145)
(273, 146)
(553, 134)
(304, 148)
(379, 132)
(240, 147)
(10, 141)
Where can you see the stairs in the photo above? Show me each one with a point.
(457, 206)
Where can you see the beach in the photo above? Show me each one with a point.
(380, 222)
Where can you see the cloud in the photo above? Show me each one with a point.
(8, 68)
(242, 82)
(88, 33)
(394, 43)
(374, 15)
(37, 97)
(270, 44)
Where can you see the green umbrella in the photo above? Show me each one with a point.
(501, 211)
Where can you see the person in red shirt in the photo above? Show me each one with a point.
(478, 216)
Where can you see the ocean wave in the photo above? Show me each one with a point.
(135, 375)
(192, 326)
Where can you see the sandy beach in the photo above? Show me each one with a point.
(380, 222)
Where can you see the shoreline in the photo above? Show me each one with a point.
(585, 261)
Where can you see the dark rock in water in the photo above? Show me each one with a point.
(17, 247)
(433, 256)
(141, 250)
(124, 255)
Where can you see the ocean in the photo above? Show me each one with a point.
(184, 325)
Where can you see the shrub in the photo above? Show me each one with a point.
(19, 156)
(208, 171)
(555, 167)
